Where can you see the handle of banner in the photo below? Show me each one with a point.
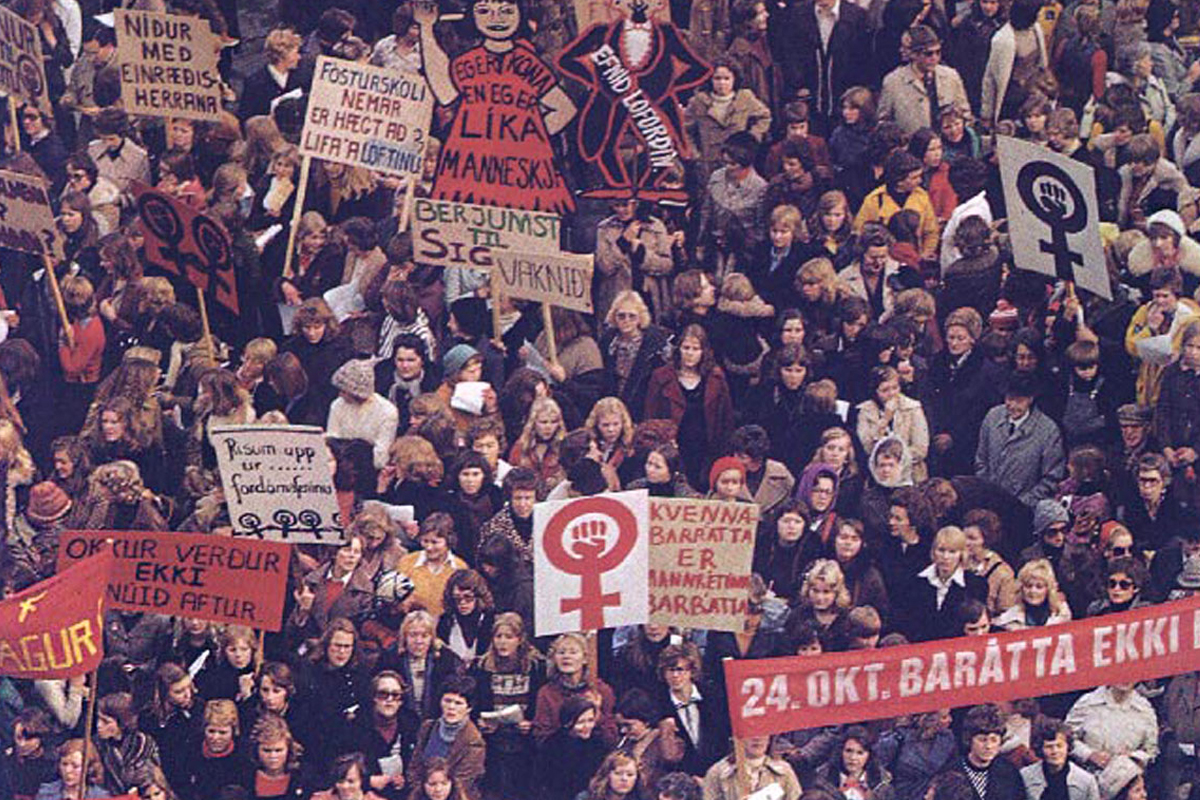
(48, 260)
(406, 209)
(258, 654)
(93, 686)
(496, 329)
(551, 342)
(207, 334)
(593, 654)
(297, 212)
(743, 775)
(14, 121)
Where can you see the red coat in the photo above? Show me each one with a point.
(664, 400)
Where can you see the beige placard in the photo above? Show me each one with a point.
(701, 552)
(368, 117)
(26, 218)
(168, 65)
(559, 279)
(22, 72)
(602, 12)
(450, 234)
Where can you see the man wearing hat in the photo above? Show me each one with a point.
(360, 413)
(33, 543)
(1020, 448)
(914, 93)
(1137, 439)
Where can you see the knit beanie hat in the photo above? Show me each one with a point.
(356, 378)
(47, 502)
(1169, 218)
(1046, 513)
(721, 465)
(456, 358)
(471, 313)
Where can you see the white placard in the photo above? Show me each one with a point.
(278, 482)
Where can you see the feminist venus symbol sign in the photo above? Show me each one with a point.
(581, 545)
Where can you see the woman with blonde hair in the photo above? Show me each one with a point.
(422, 660)
(816, 291)
(343, 192)
(619, 778)
(567, 676)
(632, 348)
(538, 445)
(118, 500)
(1039, 601)
(275, 758)
(263, 140)
(938, 591)
(19, 469)
(836, 450)
(831, 230)
(317, 263)
(219, 401)
(612, 428)
(823, 602)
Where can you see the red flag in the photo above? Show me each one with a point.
(55, 629)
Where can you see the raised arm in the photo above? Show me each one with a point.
(434, 60)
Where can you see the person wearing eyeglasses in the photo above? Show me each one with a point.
(913, 94)
(1125, 578)
(633, 349)
(39, 139)
(386, 735)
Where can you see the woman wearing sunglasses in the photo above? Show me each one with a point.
(1125, 578)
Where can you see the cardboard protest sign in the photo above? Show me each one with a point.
(590, 562)
(450, 234)
(278, 483)
(560, 279)
(700, 562)
(1053, 214)
(774, 695)
(181, 240)
(168, 65)
(639, 99)
(22, 71)
(189, 574)
(26, 219)
(55, 628)
(367, 116)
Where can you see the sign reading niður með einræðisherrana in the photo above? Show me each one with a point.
(168, 65)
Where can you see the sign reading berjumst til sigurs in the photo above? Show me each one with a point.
(774, 695)
(278, 483)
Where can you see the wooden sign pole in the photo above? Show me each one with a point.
(56, 290)
(406, 209)
(93, 697)
(15, 122)
(743, 774)
(297, 212)
(497, 331)
(551, 343)
(207, 335)
(258, 654)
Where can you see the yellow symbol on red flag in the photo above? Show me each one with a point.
(29, 605)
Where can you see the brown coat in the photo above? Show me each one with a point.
(465, 760)
(664, 400)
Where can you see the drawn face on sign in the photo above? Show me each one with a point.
(497, 19)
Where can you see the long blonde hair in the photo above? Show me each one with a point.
(528, 437)
(1040, 569)
(608, 406)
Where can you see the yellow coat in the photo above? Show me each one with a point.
(1150, 375)
(879, 206)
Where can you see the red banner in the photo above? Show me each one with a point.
(183, 241)
(55, 629)
(774, 695)
(190, 574)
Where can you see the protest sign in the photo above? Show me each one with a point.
(26, 218)
(559, 279)
(367, 116)
(1053, 214)
(700, 562)
(773, 695)
(590, 562)
(190, 575)
(278, 483)
(181, 240)
(22, 71)
(168, 65)
(55, 628)
(450, 234)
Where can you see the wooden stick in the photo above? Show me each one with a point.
(297, 212)
(56, 290)
(497, 332)
(551, 342)
(93, 699)
(206, 337)
(258, 654)
(593, 654)
(406, 209)
(743, 775)
(13, 120)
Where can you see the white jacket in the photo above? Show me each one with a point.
(1102, 724)
(1081, 784)
(999, 69)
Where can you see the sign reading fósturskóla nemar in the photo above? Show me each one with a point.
(278, 483)
(367, 116)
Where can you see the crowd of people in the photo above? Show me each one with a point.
(939, 441)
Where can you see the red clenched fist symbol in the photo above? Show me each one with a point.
(581, 551)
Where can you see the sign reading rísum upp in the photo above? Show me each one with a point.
(168, 65)
(773, 695)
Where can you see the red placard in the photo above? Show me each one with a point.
(774, 695)
(185, 242)
(190, 574)
(55, 628)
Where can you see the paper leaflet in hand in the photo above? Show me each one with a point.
(505, 715)
(468, 397)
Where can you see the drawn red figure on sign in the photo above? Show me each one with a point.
(589, 549)
(634, 69)
(498, 151)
